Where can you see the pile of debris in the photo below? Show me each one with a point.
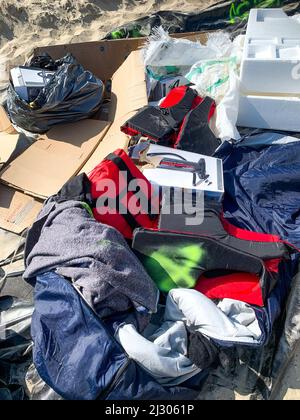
(149, 216)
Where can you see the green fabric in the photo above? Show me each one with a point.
(173, 267)
(88, 208)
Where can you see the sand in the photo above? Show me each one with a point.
(27, 24)
(30, 23)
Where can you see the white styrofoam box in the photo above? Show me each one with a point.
(269, 112)
(271, 53)
(29, 81)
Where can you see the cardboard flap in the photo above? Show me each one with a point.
(129, 94)
(129, 87)
(5, 123)
(17, 210)
(113, 140)
(55, 158)
(8, 144)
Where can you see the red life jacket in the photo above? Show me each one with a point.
(114, 204)
(180, 121)
(195, 134)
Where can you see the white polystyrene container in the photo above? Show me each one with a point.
(271, 53)
(270, 112)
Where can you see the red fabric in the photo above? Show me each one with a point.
(132, 133)
(244, 287)
(248, 235)
(174, 97)
(107, 172)
(272, 265)
(129, 131)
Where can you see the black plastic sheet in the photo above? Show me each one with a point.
(15, 347)
(231, 16)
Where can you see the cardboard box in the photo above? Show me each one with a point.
(5, 123)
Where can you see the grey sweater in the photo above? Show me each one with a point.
(95, 257)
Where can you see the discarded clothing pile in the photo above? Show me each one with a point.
(153, 253)
(87, 268)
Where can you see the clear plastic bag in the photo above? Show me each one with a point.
(165, 56)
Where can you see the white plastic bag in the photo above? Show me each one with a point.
(165, 56)
(226, 114)
(212, 76)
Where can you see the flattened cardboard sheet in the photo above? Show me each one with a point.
(5, 123)
(55, 158)
(17, 210)
(129, 94)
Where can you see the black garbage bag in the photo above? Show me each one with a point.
(43, 61)
(72, 94)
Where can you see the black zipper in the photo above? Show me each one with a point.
(115, 381)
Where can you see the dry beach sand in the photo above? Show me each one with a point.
(27, 24)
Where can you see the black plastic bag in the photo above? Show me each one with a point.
(43, 61)
(72, 94)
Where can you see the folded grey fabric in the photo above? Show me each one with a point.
(169, 356)
(95, 257)
(230, 321)
(163, 355)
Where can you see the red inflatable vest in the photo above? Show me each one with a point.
(115, 205)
